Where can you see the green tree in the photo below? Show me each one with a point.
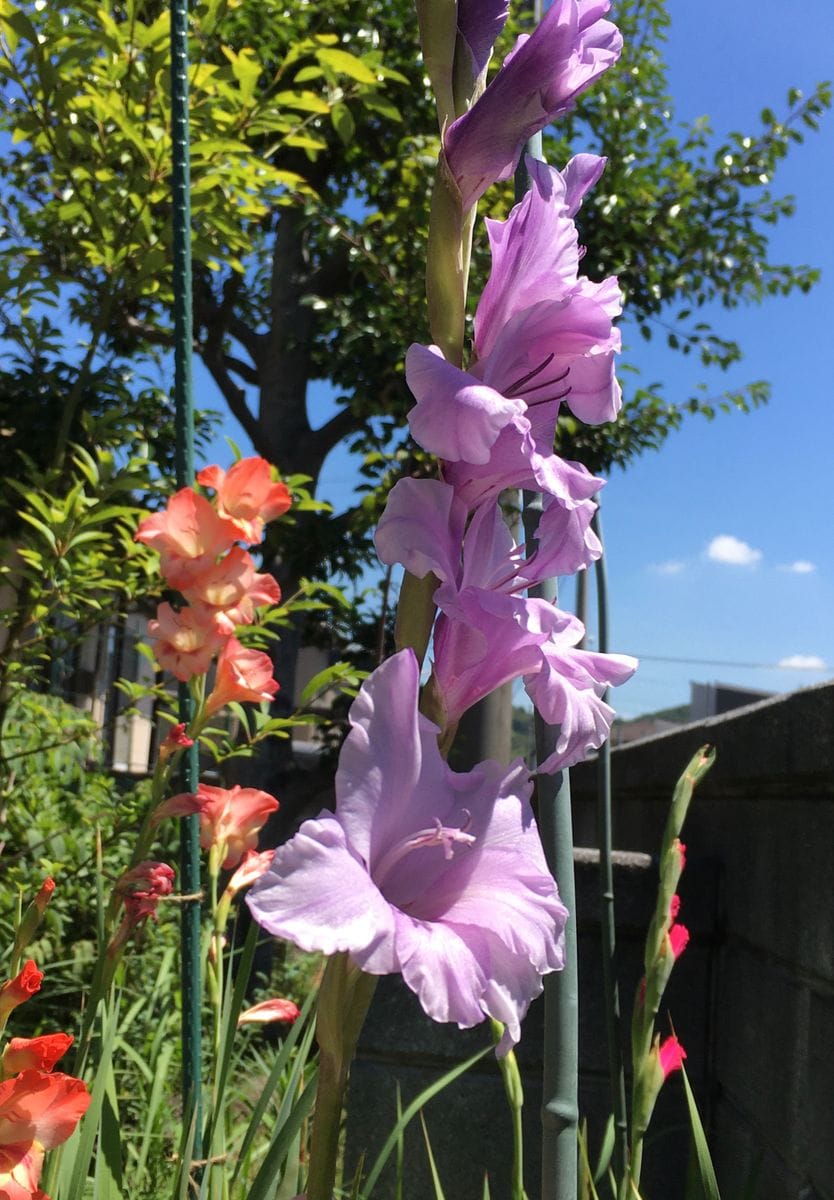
(310, 203)
(310, 212)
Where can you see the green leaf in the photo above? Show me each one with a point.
(706, 1171)
(411, 1111)
(347, 64)
(435, 1178)
(343, 123)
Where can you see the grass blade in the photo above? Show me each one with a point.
(302, 1024)
(435, 1178)
(265, 1182)
(412, 1110)
(605, 1150)
(706, 1171)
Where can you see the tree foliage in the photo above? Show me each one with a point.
(310, 212)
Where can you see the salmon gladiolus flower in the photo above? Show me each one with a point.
(232, 590)
(21, 988)
(230, 818)
(38, 1111)
(247, 496)
(241, 675)
(38, 1053)
(142, 887)
(189, 537)
(185, 641)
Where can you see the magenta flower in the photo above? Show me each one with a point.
(670, 1056)
(487, 633)
(538, 82)
(437, 875)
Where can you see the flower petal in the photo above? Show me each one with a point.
(456, 416)
(318, 894)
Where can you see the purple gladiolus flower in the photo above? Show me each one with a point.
(538, 81)
(437, 875)
(543, 335)
(487, 633)
(479, 24)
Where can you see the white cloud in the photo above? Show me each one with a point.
(802, 662)
(728, 549)
(672, 567)
(800, 567)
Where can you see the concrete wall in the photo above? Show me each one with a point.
(763, 822)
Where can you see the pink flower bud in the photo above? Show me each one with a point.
(678, 939)
(177, 739)
(276, 1009)
(253, 865)
(671, 1055)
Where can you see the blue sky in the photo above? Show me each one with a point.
(719, 547)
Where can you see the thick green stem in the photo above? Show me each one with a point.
(344, 997)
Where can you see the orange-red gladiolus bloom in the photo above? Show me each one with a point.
(37, 1053)
(188, 536)
(247, 496)
(241, 675)
(38, 1111)
(185, 641)
(19, 989)
(230, 818)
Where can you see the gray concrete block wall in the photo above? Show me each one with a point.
(763, 822)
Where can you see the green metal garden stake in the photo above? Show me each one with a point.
(560, 1084)
(184, 407)
(611, 993)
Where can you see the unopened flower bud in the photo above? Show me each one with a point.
(24, 985)
(33, 916)
(276, 1009)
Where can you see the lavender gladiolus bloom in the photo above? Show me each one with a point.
(543, 335)
(538, 81)
(487, 633)
(423, 871)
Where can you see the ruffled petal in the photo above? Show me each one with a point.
(456, 416)
(318, 894)
(422, 528)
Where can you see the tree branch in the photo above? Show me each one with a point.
(245, 370)
(320, 441)
(233, 395)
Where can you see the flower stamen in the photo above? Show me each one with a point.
(446, 836)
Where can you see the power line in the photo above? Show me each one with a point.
(723, 662)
